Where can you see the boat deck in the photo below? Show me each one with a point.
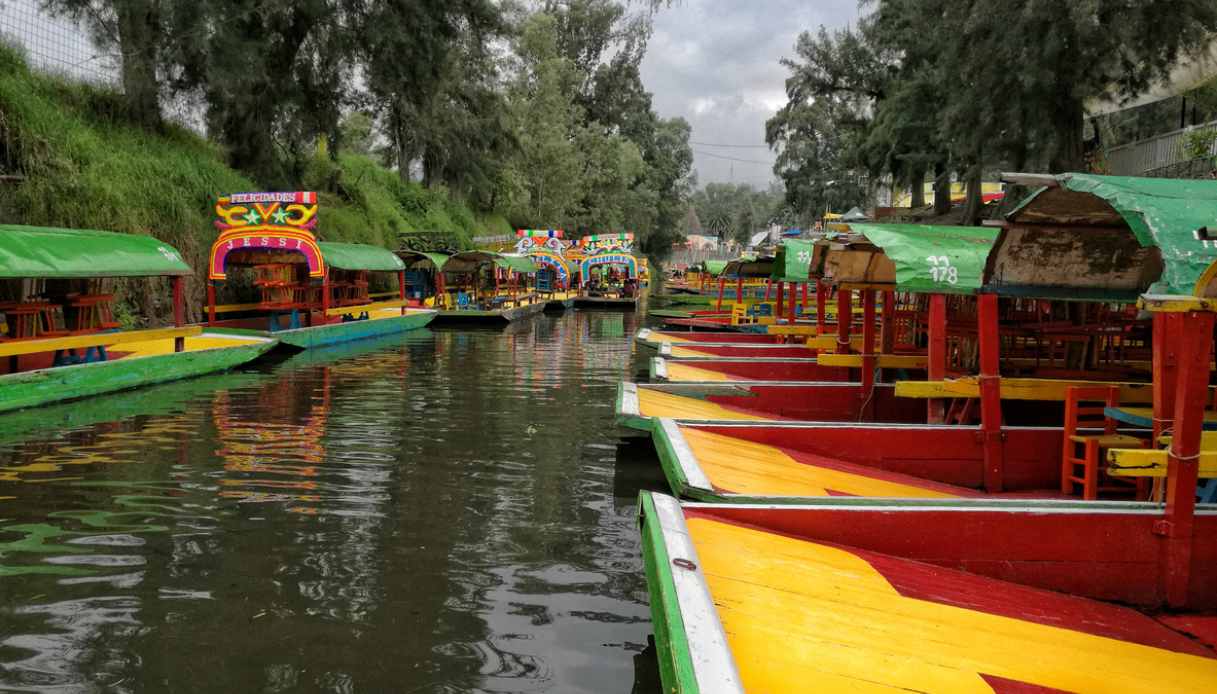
(834, 618)
(207, 340)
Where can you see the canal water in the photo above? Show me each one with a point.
(443, 511)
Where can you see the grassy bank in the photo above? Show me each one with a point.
(73, 159)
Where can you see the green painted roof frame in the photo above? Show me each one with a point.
(715, 267)
(933, 259)
(793, 261)
(44, 252)
(1161, 212)
(517, 263)
(437, 259)
(358, 256)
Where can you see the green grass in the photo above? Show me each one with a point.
(86, 165)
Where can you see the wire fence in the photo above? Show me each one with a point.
(57, 44)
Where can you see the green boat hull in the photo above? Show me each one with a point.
(497, 317)
(338, 333)
(45, 386)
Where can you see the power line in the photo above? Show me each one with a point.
(742, 161)
(715, 144)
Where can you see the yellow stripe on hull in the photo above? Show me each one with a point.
(683, 372)
(757, 469)
(193, 344)
(801, 616)
(653, 403)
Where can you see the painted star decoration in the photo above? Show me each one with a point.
(253, 217)
(280, 216)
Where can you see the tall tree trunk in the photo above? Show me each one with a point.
(942, 189)
(1068, 152)
(138, 36)
(917, 182)
(971, 213)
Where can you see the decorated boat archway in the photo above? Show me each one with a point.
(618, 259)
(263, 228)
(546, 248)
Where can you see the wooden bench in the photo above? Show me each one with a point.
(374, 306)
(12, 348)
(883, 361)
(1019, 389)
(1148, 462)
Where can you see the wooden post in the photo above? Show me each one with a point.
(768, 287)
(179, 311)
(888, 339)
(401, 288)
(868, 351)
(1194, 348)
(1168, 328)
(325, 297)
(739, 289)
(722, 285)
(211, 302)
(821, 307)
(804, 297)
(937, 356)
(990, 391)
(790, 316)
(845, 317)
(781, 298)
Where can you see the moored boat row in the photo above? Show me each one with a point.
(996, 480)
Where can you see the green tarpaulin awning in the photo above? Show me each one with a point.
(933, 259)
(716, 267)
(793, 261)
(517, 263)
(436, 259)
(1161, 212)
(358, 256)
(39, 252)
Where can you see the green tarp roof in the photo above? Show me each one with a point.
(793, 261)
(358, 256)
(1161, 212)
(716, 267)
(437, 259)
(517, 263)
(749, 266)
(38, 252)
(933, 259)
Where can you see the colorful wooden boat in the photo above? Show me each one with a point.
(700, 369)
(640, 405)
(554, 279)
(311, 293)
(655, 338)
(608, 279)
(61, 338)
(1015, 448)
(486, 288)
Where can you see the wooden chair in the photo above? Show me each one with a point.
(1082, 454)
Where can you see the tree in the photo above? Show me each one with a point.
(135, 29)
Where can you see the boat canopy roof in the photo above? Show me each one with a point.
(925, 258)
(1105, 238)
(415, 257)
(358, 256)
(468, 261)
(517, 263)
(715, 267)
(749, 266)
(793, 261)
(42, 252)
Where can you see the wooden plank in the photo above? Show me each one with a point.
(17, 347)
(235, 308)
(830, 342)
(360, 308)
(1019, 389)
(1147, 462)
(885, 361)
(807, 330)
(1176, 304)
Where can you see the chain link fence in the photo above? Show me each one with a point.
(56, 44)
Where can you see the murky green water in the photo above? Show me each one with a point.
(443, 511)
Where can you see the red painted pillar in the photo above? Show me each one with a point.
(401, 288)
(768, 287)
(179, 311)
(845, 316)
(804, 296)
(739, 289)
(790, 315)
(722, 286)
(990, 391)
(1191, 395)
(325, 298)
(937, 356)
(868, 351)
(1168, 328)
(211, 302)
(781, 299)
(821, 307)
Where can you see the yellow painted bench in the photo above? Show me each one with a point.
(885, 361)
(1020, 389)
(52, 344)
(1147, 462)
(360, 308)
(830, 342)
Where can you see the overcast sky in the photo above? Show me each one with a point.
(715, 62)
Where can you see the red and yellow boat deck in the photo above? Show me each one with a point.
(741, 607)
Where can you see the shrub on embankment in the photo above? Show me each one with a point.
(71, 158)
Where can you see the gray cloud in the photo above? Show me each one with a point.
(715, 62)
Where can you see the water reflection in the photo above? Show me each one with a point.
(443, 511)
